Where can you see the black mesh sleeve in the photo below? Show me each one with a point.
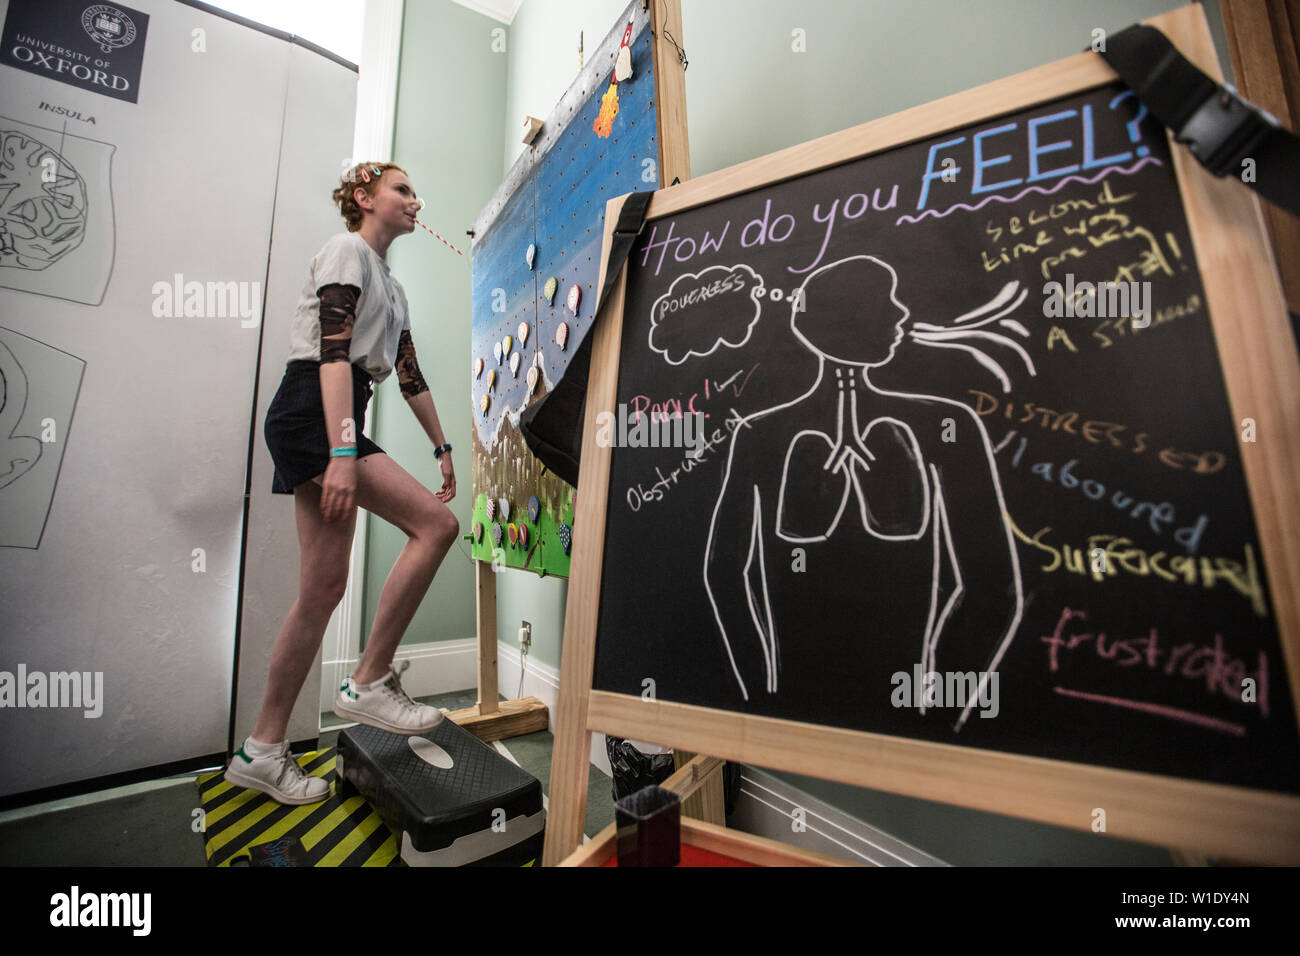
(408, 369)
(338, 307)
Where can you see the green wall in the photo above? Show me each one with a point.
(447, 136)
(748, 93)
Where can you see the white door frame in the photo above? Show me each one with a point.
(381, 49)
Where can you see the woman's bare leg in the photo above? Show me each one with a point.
(385, 489)
(323, 576)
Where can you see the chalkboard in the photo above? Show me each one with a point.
(915, 456)
(923, 448)
(999, 389)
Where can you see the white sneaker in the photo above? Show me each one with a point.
(385, 705)
(277, 775)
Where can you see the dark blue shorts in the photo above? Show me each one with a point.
(295, 425)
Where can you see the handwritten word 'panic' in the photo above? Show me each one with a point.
(1121, 555)
(1221, 674)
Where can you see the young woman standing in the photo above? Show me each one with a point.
(351, 329)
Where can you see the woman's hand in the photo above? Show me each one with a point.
(448, 479)
(338, 489)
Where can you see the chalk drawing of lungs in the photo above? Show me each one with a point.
(867, 479)
(56, 213)
(882, 472)
(38, 395)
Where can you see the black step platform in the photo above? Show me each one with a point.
(455, 800)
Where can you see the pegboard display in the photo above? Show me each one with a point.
(599, 142)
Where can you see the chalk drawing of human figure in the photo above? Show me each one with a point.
(893, 498)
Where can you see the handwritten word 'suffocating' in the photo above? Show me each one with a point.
(1121, 556)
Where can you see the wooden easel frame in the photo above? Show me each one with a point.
(1258, 357)
(490, 719)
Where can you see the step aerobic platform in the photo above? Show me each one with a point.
(455, 800)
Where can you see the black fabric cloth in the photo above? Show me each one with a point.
(552, 427)
(295, 425)
(338, 313)
(1220, 129)
(634, 770)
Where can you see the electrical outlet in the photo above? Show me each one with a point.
(525, 634)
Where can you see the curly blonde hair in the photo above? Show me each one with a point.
(343, 195)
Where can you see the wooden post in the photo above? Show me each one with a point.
(568, 795)
(486, 600)
(490, 719)
(708, 801)
(1263, 36)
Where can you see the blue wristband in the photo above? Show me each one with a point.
(349, 451)
(437, 452)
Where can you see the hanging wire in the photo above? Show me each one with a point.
(681, 54)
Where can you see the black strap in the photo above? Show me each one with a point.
(1219, 128)
(552, 427)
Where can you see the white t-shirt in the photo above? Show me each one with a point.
(381, 316)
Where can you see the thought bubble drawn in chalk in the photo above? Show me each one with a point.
(703, 310)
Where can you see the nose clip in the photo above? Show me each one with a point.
(419, 204)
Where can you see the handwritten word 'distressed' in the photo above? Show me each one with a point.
(1096, 432)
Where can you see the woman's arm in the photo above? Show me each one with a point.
(337, 314)
(420, 401)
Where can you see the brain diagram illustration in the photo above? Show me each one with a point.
(42, 203)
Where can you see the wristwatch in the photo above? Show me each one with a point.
(437, 452)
